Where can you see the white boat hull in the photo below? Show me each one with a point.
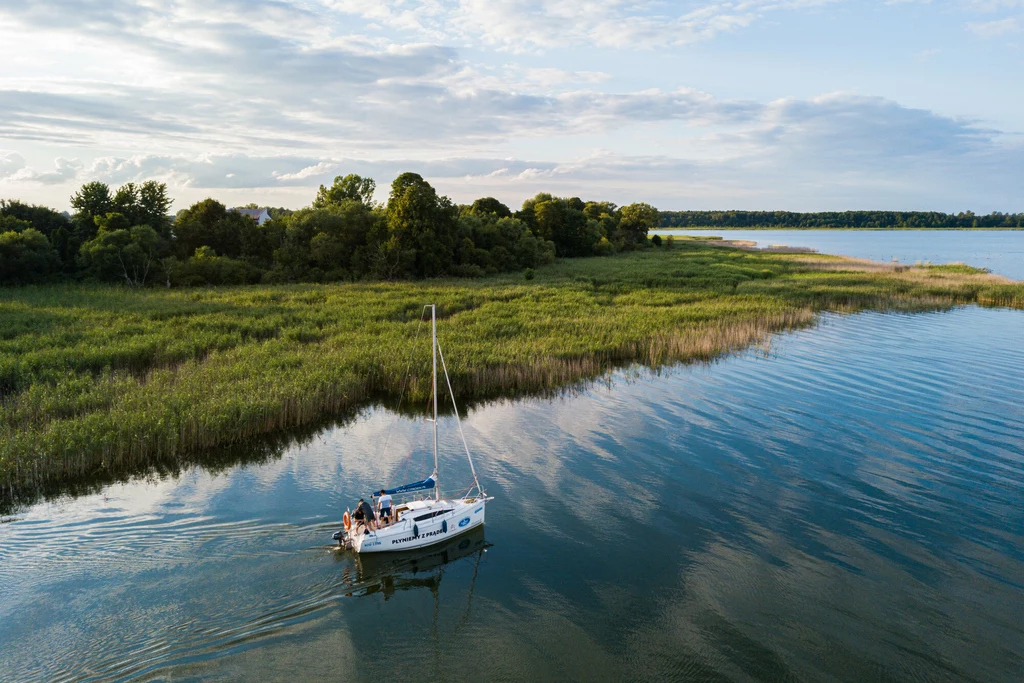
(422, 524)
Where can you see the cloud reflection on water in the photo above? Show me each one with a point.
(834, 508)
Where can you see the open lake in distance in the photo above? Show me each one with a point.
(1001, 251)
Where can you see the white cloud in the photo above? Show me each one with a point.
(994, 29)
(524, 25)
(820, 153)
(64, 170)
(308, 172)
(10, 162)
(993, 5)
(273, 94)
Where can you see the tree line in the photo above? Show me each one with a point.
(881, 220)
(128, 235)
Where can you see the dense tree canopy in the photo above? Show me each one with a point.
(13, 224)
(43, 219)
(26, 256)
(127, 235)
(209, 224)
(145, 204)
(350, 187)
(92, 200)
(423, 224)
(636, 220)
(490, 205)
(121, 252)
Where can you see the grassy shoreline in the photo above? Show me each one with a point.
(99, 379)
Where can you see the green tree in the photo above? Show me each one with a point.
(26, 256)
(339, 237)
(205, 267)
(153, 208)
(126, 200)
(491, 244)
(12, 224)
(55, 225)
(636, 220)
(597, 210)
(350, 187)
(389, 260)
(146, 204)
(423, 223)
(43, 219)
(563, 222)
(93, 199)
(209, 224)
(111, 222)
(119, 252)
(490, 205)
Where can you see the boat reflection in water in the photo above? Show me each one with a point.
(386, 573)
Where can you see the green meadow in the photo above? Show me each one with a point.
(105, 381)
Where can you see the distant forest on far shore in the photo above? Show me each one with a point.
(839, 220)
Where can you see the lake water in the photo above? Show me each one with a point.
(1001, 251)
(844, 504)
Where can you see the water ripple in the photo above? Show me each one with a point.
(845, 505)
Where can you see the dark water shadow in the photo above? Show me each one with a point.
(387, 573)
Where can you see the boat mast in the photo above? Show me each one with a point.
(433, 328)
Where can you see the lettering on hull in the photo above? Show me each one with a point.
(428, 534)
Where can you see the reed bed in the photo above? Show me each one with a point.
(100, 380)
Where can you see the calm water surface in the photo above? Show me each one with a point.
(844, 505)
(1001, 251)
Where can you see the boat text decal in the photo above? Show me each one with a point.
(435, 532)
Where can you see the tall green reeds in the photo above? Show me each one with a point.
(103, 379)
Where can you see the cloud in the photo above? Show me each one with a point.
(849, 128)
(994, 29)
(10, 162)
(272, 94)
(993, 5)
(64, 170)
(232, 171)
(317, 170)
(819, 153)
(263, 78)
(456, 110)
(525, 25)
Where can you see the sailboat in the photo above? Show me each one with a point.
(429, 519)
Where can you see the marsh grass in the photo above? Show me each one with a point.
(101, 380)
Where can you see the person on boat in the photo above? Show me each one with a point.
(371, 516)
(384, 505)
(364, 516)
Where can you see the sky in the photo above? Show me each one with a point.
(800, 105)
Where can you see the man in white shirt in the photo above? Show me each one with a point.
(384, 506)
